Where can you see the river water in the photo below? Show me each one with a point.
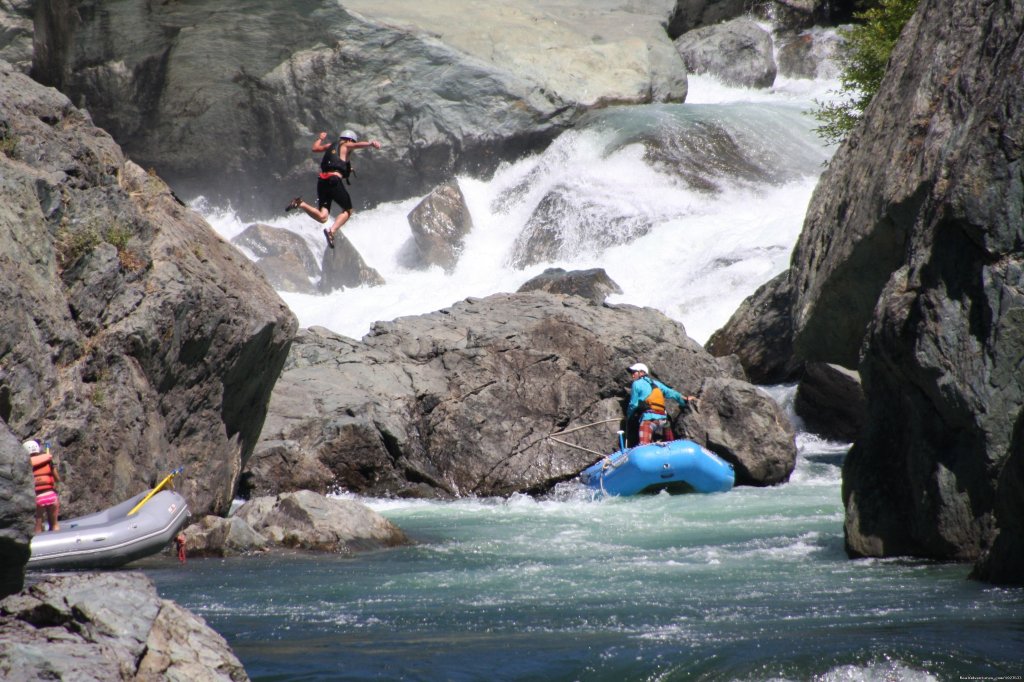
(748, 585)
(752, 584)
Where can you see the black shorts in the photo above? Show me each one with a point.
(330, 190)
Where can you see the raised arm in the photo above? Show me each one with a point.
(320, 144)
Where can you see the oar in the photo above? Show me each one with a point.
(158, 488)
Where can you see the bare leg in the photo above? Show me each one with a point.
(340, 220)
(39, 520)
(52, 511)
(318, 214)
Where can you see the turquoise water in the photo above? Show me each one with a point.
(748, 585)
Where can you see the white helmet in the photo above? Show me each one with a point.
(639, 367)
(31, 447)
(348, 134)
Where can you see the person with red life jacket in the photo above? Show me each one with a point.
(647, 400)
(45, 473)
(335, 169)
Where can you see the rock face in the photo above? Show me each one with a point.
(108, 626)
(910, 263)
(461, 401)
(17, 511)
(133, 337)
(447, 86)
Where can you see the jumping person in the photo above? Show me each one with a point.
(335, 169)
(647, 399)
(46, 479)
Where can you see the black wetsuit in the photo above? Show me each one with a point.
(330, 187)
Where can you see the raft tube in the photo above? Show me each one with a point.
(111, 538)
(679, 466)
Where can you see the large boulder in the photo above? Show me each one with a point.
(462, 401)
(760, 334)
(306, 520)
(282, 256)
(747, 428)
(134, 339)
(342, 267)
(830, 400)
(738, 51)
(439, 226)
(17, 511)
(108, 626)
(224, 100)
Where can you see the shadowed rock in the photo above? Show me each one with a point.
(134, 338)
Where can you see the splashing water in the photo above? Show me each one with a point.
(689, 208)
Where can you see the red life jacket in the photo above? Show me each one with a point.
(42, 470)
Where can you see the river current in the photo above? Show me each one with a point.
(752, 584)
(749, 585)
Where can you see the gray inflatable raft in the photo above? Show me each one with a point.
(112, 538)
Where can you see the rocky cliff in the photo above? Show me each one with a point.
(132, 337)
(224, 97)
(910, 265)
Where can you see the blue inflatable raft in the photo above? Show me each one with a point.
(679, 466)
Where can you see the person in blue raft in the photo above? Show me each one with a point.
(647, 402)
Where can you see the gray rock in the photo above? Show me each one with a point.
(439, 225)
(594, 285)
(760, 334)
(17, 511)
(217, 536)
(343, 267)
(135, 339)
(109, 626)
(461, 401)
(830, 400)
(16, 33)
(565, 225)
(449, 87)
(810, 54)
(739, 52)
(306, 520)
(688, 15)
(282, 256)
(745, 427)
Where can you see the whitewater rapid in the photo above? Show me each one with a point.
(705, 253)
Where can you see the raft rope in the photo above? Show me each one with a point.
(551, 436)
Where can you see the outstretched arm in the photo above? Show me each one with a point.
(675, 395)
(364, 144)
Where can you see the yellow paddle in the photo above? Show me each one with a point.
(158, 488)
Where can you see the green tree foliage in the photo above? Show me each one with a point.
(862, 61)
